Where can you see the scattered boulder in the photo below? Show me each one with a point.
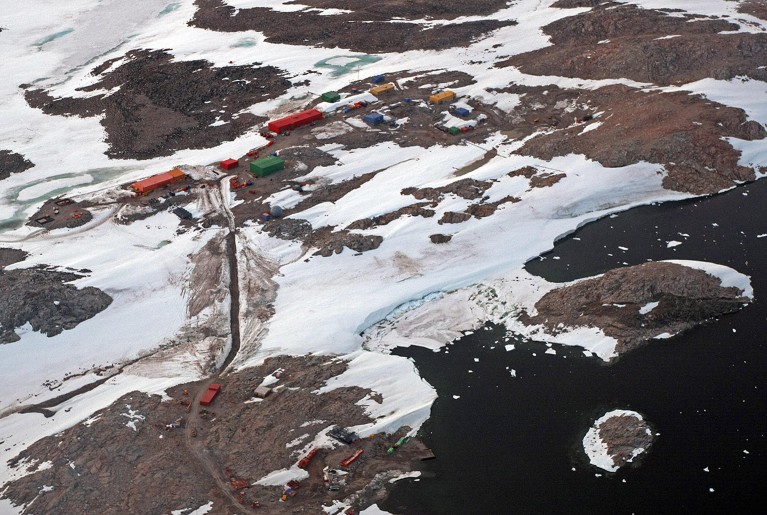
(440, 238)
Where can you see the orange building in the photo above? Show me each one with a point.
(148, 185)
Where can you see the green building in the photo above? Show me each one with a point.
(454, 131)
(330, 96)
(266, 166)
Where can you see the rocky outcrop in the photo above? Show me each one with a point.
(352, 29)
(157, 105)
(638, 303)
(44, 299)
(11, 162)
(686, 134)
(616, 439)
(624, 41)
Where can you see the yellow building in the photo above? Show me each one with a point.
(383, 88)
(444, 96)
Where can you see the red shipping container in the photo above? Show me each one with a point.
(295, 120)
(230, 163)
(210, 394)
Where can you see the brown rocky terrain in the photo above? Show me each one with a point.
(352, 30)
(685, 298)
(623, 41)
(756, 8)
(684, 133)
(144, 454)
(44, 298)
(625, 435)
(11, 256)
(11, 162)
(156, 105)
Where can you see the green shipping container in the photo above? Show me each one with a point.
(266, 166)
(454, 131)
(331, 96)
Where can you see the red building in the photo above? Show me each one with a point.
(295, 120)
(230, 163)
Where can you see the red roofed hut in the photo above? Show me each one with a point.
(295, 120)
(148, 185)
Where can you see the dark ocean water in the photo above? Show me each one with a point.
(510, 444)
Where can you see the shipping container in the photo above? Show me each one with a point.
(150, 184)
(210, 394)
(295, 120)
(230, 163)
(461, 111)
(373, 118)
(330, 96)
(442, 96)
(266, 166)
(383, 88)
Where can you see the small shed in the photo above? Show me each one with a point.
(373, 118)
(378, 79)
(230, 163)
(454, 131)
(461, 111)
(267, 166)
(383, 88)
(262, 392)
(330, 96)
(442, 96)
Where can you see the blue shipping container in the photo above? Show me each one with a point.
(378, 79)
(461, 111)
(373, 118)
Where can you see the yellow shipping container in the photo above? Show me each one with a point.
(383, 88)
(444, 96)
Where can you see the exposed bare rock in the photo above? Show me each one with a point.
(440, 238)
(353, 30)
(638, 303)
(418, 209)
(288, 228)
(11, 162)
(685, 133)
(757, 8)
(333, 242)
(622, 435)
(44, 299)
(625, 41)
(409, 10)
(453, 217)
(464, 188)
(144, 454)
(485, 209)
(11, 256)
(157, 105)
